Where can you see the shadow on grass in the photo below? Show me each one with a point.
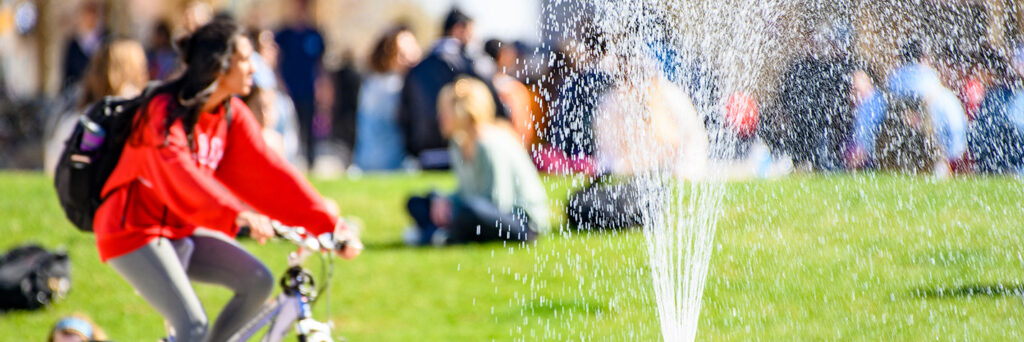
(395, 245)
(568, 229)
(973, 290)
(387, 246)
(561, 307)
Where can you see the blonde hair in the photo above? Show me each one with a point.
(471, 102)
(118, 68)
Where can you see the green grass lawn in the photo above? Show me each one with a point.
(807, 258)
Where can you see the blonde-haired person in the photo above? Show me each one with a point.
(641, 128)
(499, 195)
(651, 127)
(118, 69)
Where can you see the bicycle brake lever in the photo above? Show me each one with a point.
(327, 241)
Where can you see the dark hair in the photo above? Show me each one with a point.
(223, 15)
(994, 61)
(454, 18)
(595, 39)
(205, 55)
(93, 7)
(162, 29)
(901, 104)
(493, 48)
(912, 51)
(385, 53)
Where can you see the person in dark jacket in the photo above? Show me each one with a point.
(347, 82)
(163, 59)
(302, 48)
(581, 84)
(417, 114)
(88, 37)
(996, 143)
(814, 97)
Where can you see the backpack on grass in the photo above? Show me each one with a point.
(32, 277)
(90, 155)
(606, 204)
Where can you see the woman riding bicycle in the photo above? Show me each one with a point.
(193, 165)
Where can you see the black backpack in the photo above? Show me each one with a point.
(606, 204)
(81, 173)
(32, 277)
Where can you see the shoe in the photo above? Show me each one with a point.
(439, 238)
(413, 236)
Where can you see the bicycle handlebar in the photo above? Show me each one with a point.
(300, 237)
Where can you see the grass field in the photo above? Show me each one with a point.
(807, 258)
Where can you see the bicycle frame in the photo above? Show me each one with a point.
(292, 307)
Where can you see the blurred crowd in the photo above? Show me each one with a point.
(942, 111)
(376, 113)
(945, 108)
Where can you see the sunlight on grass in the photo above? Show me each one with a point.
(864, 257)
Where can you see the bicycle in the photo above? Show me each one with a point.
(293, 306)
(299, 291)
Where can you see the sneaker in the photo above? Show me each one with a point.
(412, 236)
(439, 238)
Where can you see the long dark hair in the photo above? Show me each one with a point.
(205, 54)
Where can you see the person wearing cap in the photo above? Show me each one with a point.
(996, 136)
(76, 328)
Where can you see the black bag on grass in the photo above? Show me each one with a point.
(605, 204)
(32, 277)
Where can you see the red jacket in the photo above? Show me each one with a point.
(162, 189)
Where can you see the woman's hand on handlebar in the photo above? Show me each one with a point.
(259, 225)
(348, 234)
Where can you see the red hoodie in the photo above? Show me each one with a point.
(162, 189)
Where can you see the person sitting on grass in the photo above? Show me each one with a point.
(906, 140)
(194, 163)
(499, 196)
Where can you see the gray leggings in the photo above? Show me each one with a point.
(160, 272)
